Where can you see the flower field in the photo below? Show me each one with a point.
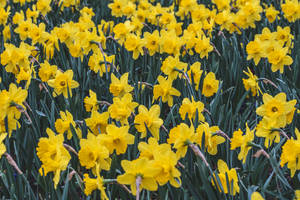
(150, 99)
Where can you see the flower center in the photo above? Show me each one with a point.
(62, 83)
(116, 141)
(53, 155)
(274, 109)
(91, 156)
(208, 87)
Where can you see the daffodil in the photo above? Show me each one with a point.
(276, 108)
(195, 74)
(119, 87)
(291, 10)
(166, 160)
(117, 138)
(54, 156)
(98, 122)
(171, 66)
(92, 184)
(232, 178)
(93, 153)
(116, 8)
(242, 141)
(100, 62)
(210, 85)
(11, 105)
(165, 90)
(291, 153)
(135, 44)
(47, 71)
(256, 196)
(279, 58)
(190, 108)
(222, 5)
(142, 168)
(63, 83)
(255, 51)
(297, 195)
(91, 103)
(211, 139)
(203, 46)
(151, 41)
(251, 83)
(148, 119)
(151, 148)
(268, 129)
(170, 43)
(122, 108)
(63, 124)
(2, 145)
(271, 13)
(43, 6)
(181, 136)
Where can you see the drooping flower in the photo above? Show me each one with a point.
(232, 178)
(210, 85)
(195, 74)
(251, 83)
(212, 140)
(92, 184)
(268, 129)
(2, 145)
(91, 103)
(291, 153)
(63, 124)
(54, 156)
(242, 141)
(190, 108)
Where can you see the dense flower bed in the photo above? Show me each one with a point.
(149, 99)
